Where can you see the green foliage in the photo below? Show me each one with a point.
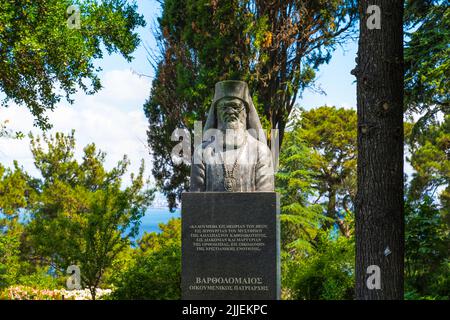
(14, 196)
(9, 258)
(427, 238)
(429, 158)
(15, 192)
(319, 159)
(300, 220)
(155, 272)
(323, 273)
(427, 69)
(122, 261)
(331, 133)
(170, 235)
(42, 60)
(83, 215)
(41, 279)
(427, 59)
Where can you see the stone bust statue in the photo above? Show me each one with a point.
(234, 155)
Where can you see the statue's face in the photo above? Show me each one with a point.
(231, 114)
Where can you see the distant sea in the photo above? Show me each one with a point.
(153, 217)
(149, 222)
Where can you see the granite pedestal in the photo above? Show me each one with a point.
(230, 245)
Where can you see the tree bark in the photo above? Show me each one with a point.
(379, 200)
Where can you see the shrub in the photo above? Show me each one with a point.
(326, 272)
(155, 272)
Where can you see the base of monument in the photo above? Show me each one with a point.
(230, 245)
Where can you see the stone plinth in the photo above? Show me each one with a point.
(230, 245)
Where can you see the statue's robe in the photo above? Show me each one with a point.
(253, 172)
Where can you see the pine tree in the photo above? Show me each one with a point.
(379, 200)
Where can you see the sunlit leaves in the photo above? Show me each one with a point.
(427, 62)
(43, 61)
(83, 214)
(430, 159)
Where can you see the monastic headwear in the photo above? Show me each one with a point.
(236, 89)
(230, 88)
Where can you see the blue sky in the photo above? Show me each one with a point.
(114, 117)
(335, 79)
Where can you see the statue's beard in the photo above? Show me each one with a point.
(234, 137)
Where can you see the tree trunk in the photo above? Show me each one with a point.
(331, 208)
(379, 200)
(93, 291)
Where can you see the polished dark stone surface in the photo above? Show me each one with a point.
(244, 263)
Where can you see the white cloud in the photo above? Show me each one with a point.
(113, 119)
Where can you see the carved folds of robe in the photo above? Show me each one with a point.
(254, 169)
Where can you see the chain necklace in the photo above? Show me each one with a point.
(229, 178)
